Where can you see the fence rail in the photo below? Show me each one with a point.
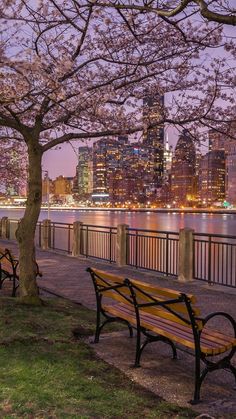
(215, 259)
(214, 255)
(98, 242)
(61, 236)
(153, 250)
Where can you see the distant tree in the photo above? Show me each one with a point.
(73, 70)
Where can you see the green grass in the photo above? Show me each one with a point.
(47, 373)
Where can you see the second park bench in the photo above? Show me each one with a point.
(162, 314)
(9, 269)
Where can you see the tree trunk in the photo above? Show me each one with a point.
(25, 233)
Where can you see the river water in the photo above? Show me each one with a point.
(201, 223)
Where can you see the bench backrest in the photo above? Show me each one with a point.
(110, 286)
(162, 302)
(7, 261)
(166, 303)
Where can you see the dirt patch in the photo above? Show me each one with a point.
(172, 380)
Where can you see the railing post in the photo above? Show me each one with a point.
(5, 228)
(121, 244)
(167, 254)
(209, 262)
(46, 234)
(185, 254)
(77, 236)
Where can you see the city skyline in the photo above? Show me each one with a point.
(119, 173)
(56, 161)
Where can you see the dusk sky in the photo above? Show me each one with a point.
(63, 160)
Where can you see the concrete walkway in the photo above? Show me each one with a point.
(67, 277)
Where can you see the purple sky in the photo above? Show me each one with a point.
(63, 161)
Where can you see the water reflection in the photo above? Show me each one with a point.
(202, 223)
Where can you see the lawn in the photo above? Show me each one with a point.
(48, 372)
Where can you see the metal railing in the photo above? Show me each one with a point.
(153, 250)
(13, 224)
(215, 259)
(61, 236)
(214, 255)
(98, 242)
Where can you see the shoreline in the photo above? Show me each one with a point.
(154, 210)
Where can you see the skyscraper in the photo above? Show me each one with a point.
(84, 171)
(106, 163)
(231, 175)
(183, 179)
(153, 142)
(212, 177)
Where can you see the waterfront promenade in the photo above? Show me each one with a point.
(66, 276)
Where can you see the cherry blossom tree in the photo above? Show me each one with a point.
(74, 70)
(220, 11)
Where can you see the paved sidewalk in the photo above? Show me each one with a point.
(66, 276)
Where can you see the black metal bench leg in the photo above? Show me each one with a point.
(110, 320)
(173, 347)
(127, 324)
(141, 350)
(233, 370)
(98, 329)
(198, 381)
(138, 349)
(14, 287)
(131, 333)
(150, 339)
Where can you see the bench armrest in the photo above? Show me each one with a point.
(223, 314)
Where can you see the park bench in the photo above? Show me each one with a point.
(9, 265)
(161, 314)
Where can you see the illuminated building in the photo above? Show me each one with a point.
(216, 140)
(61, 186)
(106, 160)
(117, 165)
(90, 177)
(212, 177)
(183, 174)
(166, 185)
(226, 144)
(133, 170)
(231, 175)
(168, 154)
(75, 186)
(153, 142)
(47, 188)
(84, 171)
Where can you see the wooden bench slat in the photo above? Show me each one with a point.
(152, 289)
(182, 336)
(155, 311)
(165, 292)
(108, 276)
(177, 307)
(206, 337)
(157, 293)
(216, 336)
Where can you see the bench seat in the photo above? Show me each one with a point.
(167, 315)
(213, 342)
